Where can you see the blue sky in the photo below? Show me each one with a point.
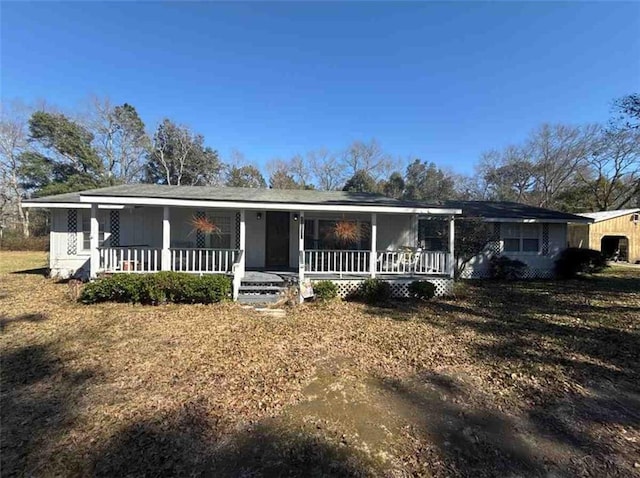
(441, 82)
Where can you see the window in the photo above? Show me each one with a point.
(327, 239)
(433, 234)
(310, 241)
(86, 229)
(221, 239)
(521, 237)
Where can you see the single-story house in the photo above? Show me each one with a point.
(615, 233)
(261, 237)
(266, 238)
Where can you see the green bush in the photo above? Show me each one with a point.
(374, 291)
(325, 290)
(158, 288)
(574, 261)
(501, 267)
(422, 289)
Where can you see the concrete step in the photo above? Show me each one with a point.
(258, 298)
(261, 288)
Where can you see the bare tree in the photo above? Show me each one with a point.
(172, 145)
(507, 175)
(613, 179)
(368, 158)
(120, 140)
(559, 152)
(13, 143)
(326, 169)
(292, 174)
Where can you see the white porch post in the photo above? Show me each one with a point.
(165, 263)
(94, 236)
(243, 239)
(300, 255)
(374, 244)
(239, 268)
(452, 267)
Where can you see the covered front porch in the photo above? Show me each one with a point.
(298, 244)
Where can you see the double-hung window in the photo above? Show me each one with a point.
(521, 238)
(221, 238)
(86, 228)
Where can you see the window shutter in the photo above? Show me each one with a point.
(545, 239)
(200, 239)
(237, 230)
(114, 225)
(495, 239)
(72, 232)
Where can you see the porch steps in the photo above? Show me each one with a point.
(263, 293)
(262, 288)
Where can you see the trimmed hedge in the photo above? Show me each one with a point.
(501, 267)
(325, 290)
(158, 288)
(574, 261)
(422, 289)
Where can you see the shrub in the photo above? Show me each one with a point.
(15, 241)
(574, 261)
(501, 267)
(422, 289)
(158, 288)
(325, 290)
(374, 291)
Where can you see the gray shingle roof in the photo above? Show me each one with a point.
(511, 210)
(288, 196)
(58, 198)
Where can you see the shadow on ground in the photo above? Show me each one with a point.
(188, 443)
(38, 404)
(40, 271)
(32, 317)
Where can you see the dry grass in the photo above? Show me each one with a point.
(506, 380)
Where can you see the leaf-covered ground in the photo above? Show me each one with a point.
(528, 379)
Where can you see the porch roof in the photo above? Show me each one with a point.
(249, 198)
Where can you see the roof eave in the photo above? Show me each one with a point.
(261, 205)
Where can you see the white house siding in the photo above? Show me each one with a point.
(62, 262)
(395, 231)
(539, 265)
(141, 227)
(255, 239)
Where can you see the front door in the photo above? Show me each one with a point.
(277, 247)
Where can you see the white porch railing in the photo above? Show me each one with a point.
(238, 274)
(336, 262)
(129, 259)
(412, 262)
(387, 262)
(205, 261)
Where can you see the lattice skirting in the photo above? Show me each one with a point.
(399, 288)
(528, 273)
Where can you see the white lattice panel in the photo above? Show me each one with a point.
(528, 273)
(399, 288)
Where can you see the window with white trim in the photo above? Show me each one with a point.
(221, 239)
(86, 228)
(521, 237)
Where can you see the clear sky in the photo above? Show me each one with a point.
(442, 82)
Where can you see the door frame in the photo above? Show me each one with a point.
(287, 264)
